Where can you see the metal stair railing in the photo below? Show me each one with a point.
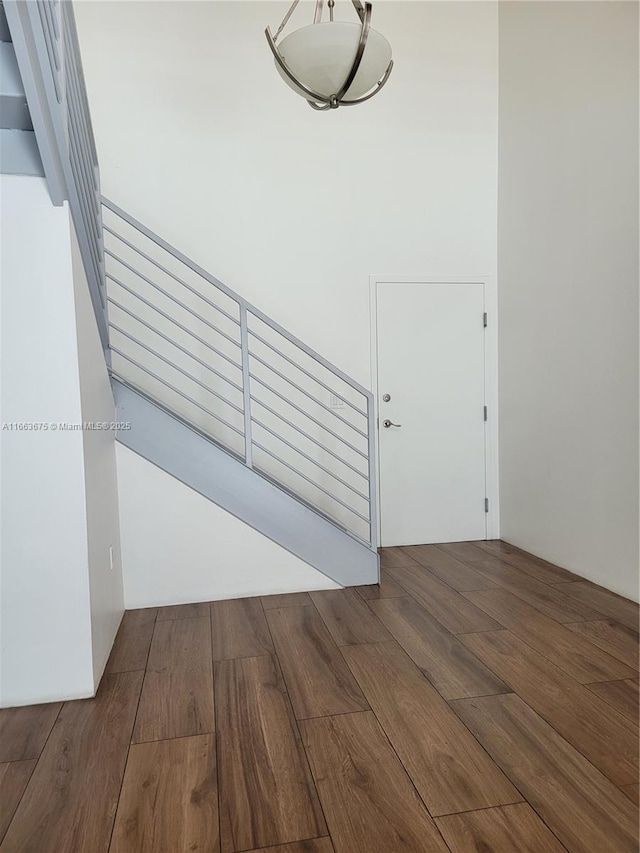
(185, 340)
(46, 45)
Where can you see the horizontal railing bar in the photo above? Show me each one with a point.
(83, 129)
(312, 482)
(83, 214)
(74, 46)
(307, 435)
(173, 299)
(174, 343)
(77, 115)
(171, 320)
(230, 293)
(302, 370)
(175, 367)
(84, 192)
(309, 458)
(179, 416)
(311, 397)
(135, 223)
(83, 209)
(77, 119)
(311, 353)
(176, 390)
(172, 275)
(83, 181)
(308, 502)
(50, 42)
(53, 21)
(310, 417)
(306, 393)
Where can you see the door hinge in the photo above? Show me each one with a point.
(486, 504)
(485, 413)
(484, 319)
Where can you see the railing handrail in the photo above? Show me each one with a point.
(243, 303)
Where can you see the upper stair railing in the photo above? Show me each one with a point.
(185, 340)
(45, 40)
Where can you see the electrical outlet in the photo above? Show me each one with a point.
(335, 402)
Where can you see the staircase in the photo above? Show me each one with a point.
(212, 390)
(224, 399)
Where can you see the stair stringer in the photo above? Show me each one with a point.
(187, 455)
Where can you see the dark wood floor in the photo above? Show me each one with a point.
(479, 699)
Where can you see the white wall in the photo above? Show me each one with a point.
(568, 285)
(101, 487)
(200, 139)
(45, 629)
(60, 602)
(178, 547)
(292, 208)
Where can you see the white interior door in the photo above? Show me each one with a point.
(430, 345)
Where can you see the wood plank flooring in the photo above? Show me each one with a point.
(169, 797)
(260, 753)
(183, 611)
(318, 679)
(582, 807)
(617, 640)
(70, 801)
(452, 669)
(607, 738)
(289, 599)
(478, 699)
(370, 804)
(387, 588)
(578, 657)
(622, 611)
(131, 648)
(24, 731)
(545, 598)
(239, 629)
(447, 766)
(177, 694)
(448, 568)
(509, 828)
(622, 695)
(633, 791)
(456, 613)
(348, 618)
(14, 776)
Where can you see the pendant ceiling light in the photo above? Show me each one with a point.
(333, 63)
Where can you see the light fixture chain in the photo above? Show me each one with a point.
(362, 43)
(285, 20)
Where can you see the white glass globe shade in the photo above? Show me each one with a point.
(321, 56)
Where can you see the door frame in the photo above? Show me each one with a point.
(491, 462)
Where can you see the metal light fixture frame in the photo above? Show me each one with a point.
(331, 102)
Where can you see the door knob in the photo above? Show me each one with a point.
(386, 398)
(387, 423)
